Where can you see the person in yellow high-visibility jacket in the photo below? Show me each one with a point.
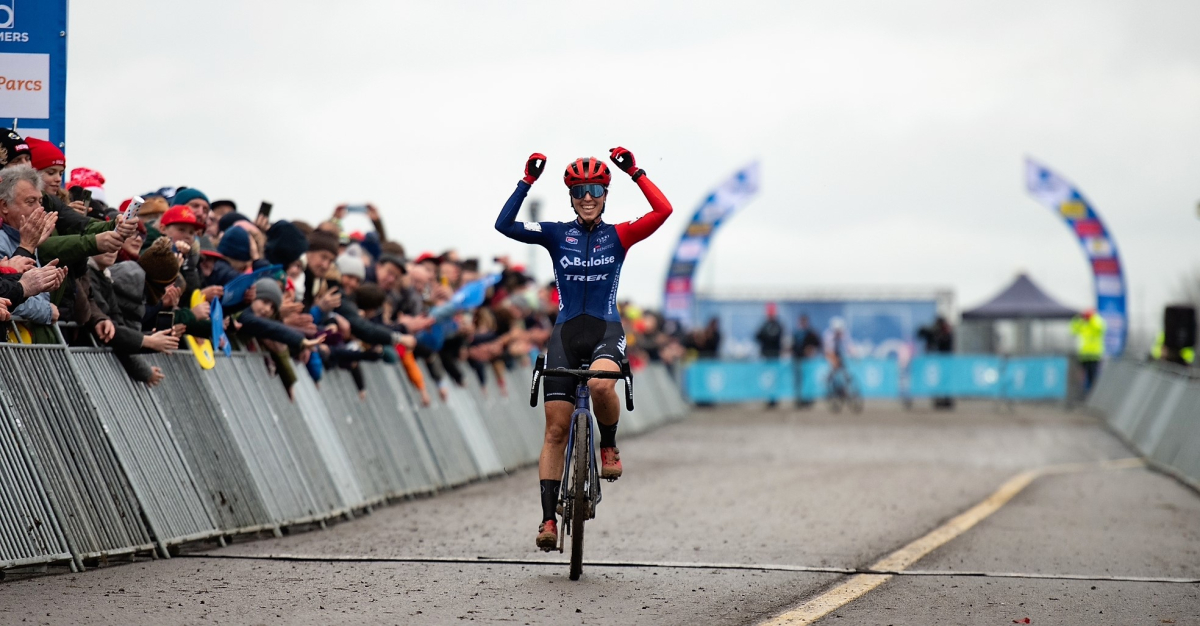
(1159, 352)
(1089, 328)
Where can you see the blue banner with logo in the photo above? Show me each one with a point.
(985, 376)
(961, 376)
(1062, 197)
(33, 68)
(724, 201)
(874, 328)
(743, 381)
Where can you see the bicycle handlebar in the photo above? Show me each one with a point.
(583, 374)
(539, 370)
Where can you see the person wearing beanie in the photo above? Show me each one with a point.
(235, 246)
(285, 244)
(50, 162)
(195, 200)
(268, 298)
(353, 271)
(322, 251)
(162, 268)
(229, 219)
(13, 149)
(234, 258)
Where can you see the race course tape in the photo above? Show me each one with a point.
(757, 567)
(896, 562)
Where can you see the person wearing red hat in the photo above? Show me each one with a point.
(50, 162)
(180, 224)
(90, 180)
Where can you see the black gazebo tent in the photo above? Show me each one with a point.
(1021, 300)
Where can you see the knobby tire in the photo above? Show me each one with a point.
(581, 457)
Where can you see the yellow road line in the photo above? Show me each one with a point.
(860, 584)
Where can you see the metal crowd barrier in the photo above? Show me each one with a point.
(1156, 407)
(93, 464)
(87, 490)
(140, 435)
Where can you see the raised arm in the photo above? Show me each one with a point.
(507, 224)
(660, 209)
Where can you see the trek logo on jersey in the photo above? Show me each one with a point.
(572, 240)
(581, 278)
(578, 262)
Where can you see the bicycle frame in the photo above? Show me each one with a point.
(566, 495)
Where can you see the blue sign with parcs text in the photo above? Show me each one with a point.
(33, 68)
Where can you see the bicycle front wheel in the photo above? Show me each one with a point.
(581, 458)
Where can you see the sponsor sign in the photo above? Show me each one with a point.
(33, 67)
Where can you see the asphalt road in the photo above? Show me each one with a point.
(726, 489)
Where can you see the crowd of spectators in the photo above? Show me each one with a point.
(309, 297)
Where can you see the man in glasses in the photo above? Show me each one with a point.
(587, 254)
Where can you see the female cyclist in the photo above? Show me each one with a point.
(588, 254)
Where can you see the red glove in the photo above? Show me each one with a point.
(623, 159)
(534, 166)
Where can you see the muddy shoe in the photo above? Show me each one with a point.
(547, 538)
(610, 463)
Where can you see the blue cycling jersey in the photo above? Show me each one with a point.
(587, 263)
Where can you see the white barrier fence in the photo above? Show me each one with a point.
(1156, 407)
(93, 465)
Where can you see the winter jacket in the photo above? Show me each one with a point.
(107, 297)
(37, 308)
(104, 295)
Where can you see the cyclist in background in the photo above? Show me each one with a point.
(588, 254)
(836, 344)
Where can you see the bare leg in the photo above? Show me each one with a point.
(605, 403)
(558, 422)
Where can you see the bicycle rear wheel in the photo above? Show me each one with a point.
(854, 397)
(581, 457)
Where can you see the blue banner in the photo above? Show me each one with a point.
(985, 376)
(961, 376)
(875, 328)
(33, 68)
(724, 201)
(743, 381)
(1060, 196)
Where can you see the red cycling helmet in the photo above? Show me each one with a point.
(587, 170)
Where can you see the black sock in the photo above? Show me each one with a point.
(608, 435)
(549, 498)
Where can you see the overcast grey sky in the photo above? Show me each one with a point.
(891, 137)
